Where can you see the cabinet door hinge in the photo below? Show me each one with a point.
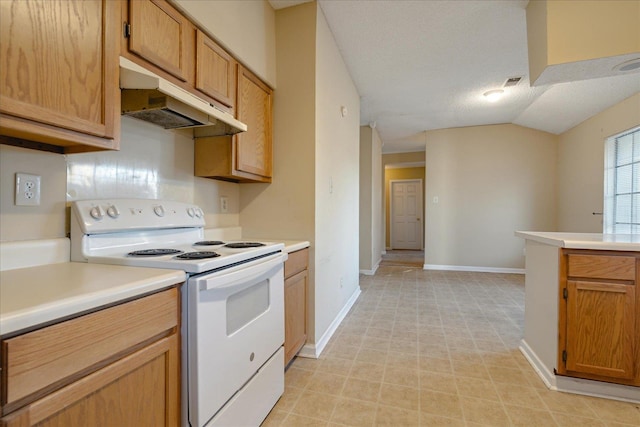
(564, 356)
(565, 293)
(127, 30)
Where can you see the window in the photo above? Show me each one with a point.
(622, 183)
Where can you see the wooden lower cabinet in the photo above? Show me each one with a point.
(295, 303)
(128, 381)
(599, 330)
(141, 389)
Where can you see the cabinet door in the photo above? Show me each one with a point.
(59, 68)
(295, 314)
(142, 389)
(253, 147)
(215, 71)
(160, 34)
(600, 330)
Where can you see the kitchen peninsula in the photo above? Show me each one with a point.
(582, 319)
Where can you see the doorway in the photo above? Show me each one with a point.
(405, 220)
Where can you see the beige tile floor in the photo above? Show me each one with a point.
(428, 348)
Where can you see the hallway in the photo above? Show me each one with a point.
(402, 257)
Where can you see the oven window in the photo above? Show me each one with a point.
(246, 305)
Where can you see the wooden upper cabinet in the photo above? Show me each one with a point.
(215, 71)
(161, 35)
(59, 71)
(254, 108)
(247, 156)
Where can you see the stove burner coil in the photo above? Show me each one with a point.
(153, 252)
(209, 243)
(198, 255)
(244, 245)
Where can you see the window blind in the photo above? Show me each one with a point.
(622, 183)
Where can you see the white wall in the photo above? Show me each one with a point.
(46, 221)
(337, 180)
(314, 193)
(285, 208)
(245, 28)
(581, 165)
(153, 163)
(490, 181)
(371, 241)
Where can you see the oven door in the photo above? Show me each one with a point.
(235, 323)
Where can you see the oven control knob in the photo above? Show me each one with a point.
(96, 213)
(159, 210)
(190, 212)
(113, 212)
(198, 212)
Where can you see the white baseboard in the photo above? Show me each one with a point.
(472, 268)
(547, 377)
(313, 351)
(372, 271)
(578, 385)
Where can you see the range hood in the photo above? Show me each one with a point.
(149, 97)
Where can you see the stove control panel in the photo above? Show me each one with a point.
(116, 215)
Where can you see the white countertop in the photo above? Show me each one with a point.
(596, 241)
(36, 295)
(293, 245)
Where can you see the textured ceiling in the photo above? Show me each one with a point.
(424, 64)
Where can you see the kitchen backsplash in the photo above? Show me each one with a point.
(152, 163)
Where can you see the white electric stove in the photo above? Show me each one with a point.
(233, 301)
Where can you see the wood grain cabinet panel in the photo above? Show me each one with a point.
(599, 316)
(116, 366)
(602, 267)
(215, 71)
(161, 35)
(138, 390)
(297, 262)
(59, 71)
(295, 303)
(601, 329)
(253, 147)
(247, 156)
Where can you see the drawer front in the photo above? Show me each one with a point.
(602, 267)
(50, 355)
(296, 262)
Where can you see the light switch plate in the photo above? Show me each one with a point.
(27, 189)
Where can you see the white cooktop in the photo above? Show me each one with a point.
(108, 231)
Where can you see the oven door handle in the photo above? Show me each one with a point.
(245, 276)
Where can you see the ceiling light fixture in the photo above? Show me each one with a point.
(627, 66)
(494, 95)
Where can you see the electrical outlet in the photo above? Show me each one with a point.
(224, 204)
(27, 189)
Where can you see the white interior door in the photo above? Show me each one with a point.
(406, 214)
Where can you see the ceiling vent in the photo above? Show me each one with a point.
(512, 81)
